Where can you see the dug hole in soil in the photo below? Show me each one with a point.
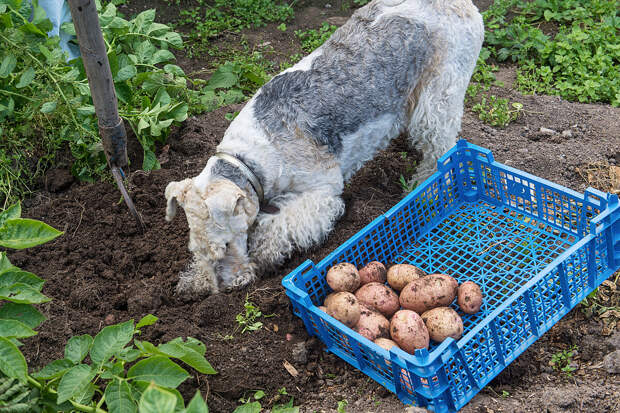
(103, 271)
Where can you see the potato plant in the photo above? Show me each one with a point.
(112, 372)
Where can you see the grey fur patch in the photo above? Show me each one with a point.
(365, 70)
(231, 172)
(226, 170)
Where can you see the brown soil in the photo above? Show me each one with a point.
(103, 271)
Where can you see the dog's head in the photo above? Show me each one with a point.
(219, 215)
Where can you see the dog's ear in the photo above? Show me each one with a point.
(175, 192)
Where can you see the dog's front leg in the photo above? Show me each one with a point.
(303, 220)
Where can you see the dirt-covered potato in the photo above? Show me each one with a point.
(386, 343)
(443, 322)
(399, 275)
(378, 297)
(373, 272)
(328, 299)
(323, 308)
(372, 324)
(343, 277)
(408, 331)
(469, 297)
(344, 307)
(423, 294)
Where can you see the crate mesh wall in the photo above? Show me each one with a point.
(530, 245)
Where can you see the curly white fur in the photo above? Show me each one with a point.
(396, 66)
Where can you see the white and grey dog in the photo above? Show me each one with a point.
(396, 66)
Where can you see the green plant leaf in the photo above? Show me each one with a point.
(7, 65)
(15, 329)
(22, 294)
(25, 313)
(174, 70)
(157, 400)
(12, 212)
(161, 56)
(223, 78)
(118, 397)
(26, 78)
(12, 361)
(74, 382)
(160, 370)
(150, 161)
(195, 344)
(19, 233)
(54, 369)
(48, 107)
(187, 355)
(111, 340)
(147, 320)
(197, 405)
(77, 348)
(4, 262)
(126, 73)
(253, 407)
(15, 275)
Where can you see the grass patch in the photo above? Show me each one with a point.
(313, 38)
(569, 48)
(208, 21)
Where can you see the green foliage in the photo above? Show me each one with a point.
(407, 187)
(252, 403)
(561, 361)
(71, 383)
(208, 20)
(313, 38)
(45, 102)
(19, 290)
(577, 57)
(497, 111)
(361, 2)
(342, 406)
(248, 320)
(105, 382)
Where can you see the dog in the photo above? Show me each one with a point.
(275, 184)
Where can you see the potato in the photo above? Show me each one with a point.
(323, 308)
(399, 275)
(373, 272)
(372, 324)
(423, 294)
(469, 297)
(343, 277)
(386, 343)
(344, 307)
(408, 331)
(328, 299)
(378, 297)
(443, 322)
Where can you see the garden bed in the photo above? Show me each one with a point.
(102, 271)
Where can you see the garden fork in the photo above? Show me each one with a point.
(97, 66)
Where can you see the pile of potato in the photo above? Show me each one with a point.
(409, 314)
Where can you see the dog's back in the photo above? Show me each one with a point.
(355, 93)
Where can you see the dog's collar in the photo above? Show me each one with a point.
(246, 171)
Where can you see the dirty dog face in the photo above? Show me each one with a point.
(219, 216)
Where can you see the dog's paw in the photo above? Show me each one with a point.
(240, 281)
(192, 286)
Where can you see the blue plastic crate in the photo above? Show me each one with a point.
(535, 248)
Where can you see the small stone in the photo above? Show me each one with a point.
(547, 131)
(611, 362)
(109, 319)
(300, 353)
(289, 336)
(328, 6)
(567, 133)
(415, 409)
(614, 341)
